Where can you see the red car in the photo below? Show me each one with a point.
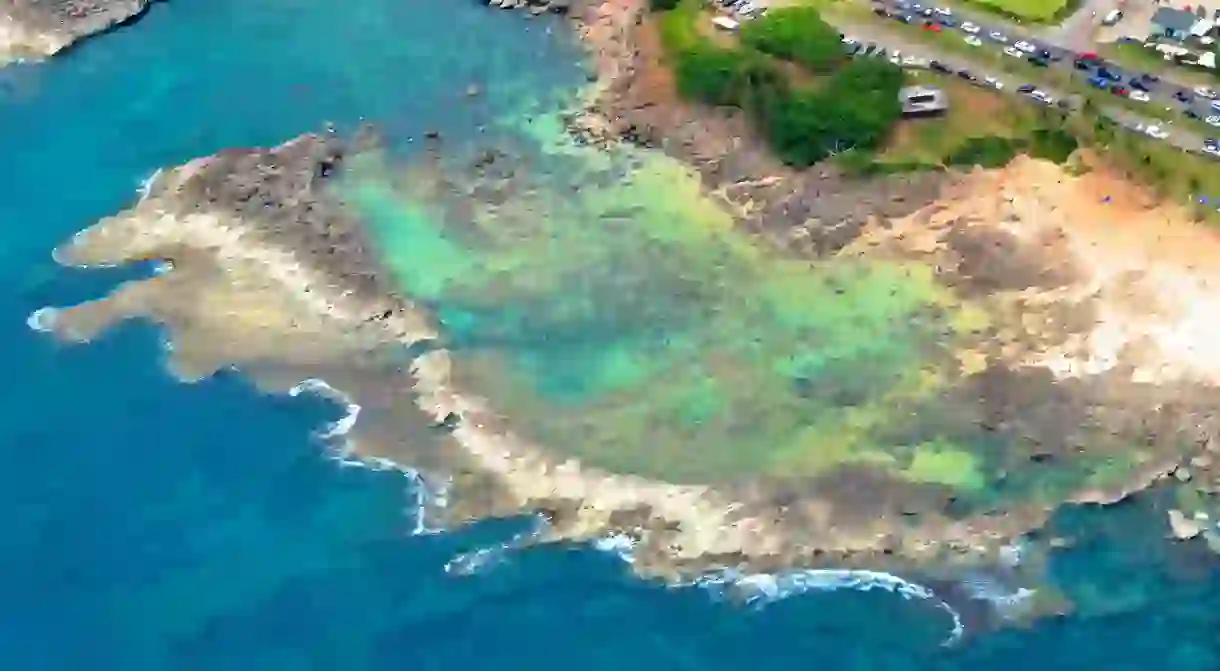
(1089, 56)
(933, 27)
(1120, 91)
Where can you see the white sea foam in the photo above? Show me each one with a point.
(481, 560)
(42, 320)
(147, 184)
(339, 428)
(760, 589)
(1007, 602)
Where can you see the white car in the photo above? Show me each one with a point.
(994, 83)
(1212, 120)
(848, 39)
(944, 12)
(970, 28)
(973, 41)
(1139, 96)
(914, 62)
(1204, 92)
(1156, 132)
(1025, 46)
(1212, 149)
(1010, 51)
(1041, 97)
(998, 36)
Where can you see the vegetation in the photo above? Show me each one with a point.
(1039, 11)
(796, 34)
(852, 106)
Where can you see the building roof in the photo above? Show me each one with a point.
(1174, 19)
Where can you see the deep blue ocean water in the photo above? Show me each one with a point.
(150, 525)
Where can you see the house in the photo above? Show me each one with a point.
(1175, 24)
(922, 101)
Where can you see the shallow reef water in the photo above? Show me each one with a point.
(146, 524)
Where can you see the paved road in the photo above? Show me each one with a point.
(891, 39)
(1164, 95)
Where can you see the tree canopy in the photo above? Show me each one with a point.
(796, 34)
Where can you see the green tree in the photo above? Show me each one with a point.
(796, 34)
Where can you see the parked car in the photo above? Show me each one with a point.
(1082, 65)
(1025, 46)
(1112, 76)
(1099, 82)
(1039, 61)
(943, 11)
(994, 83)
(1215, 104)
(1139, 96)
(970, 28)
(1212, 148)
(973, 41)
(1212, 121)
(967, 75)
(947, 22)
(937, 66)
(1204, 92)
(997, 36)
(1120, 90)
(1156, 132)
(1041, 97)
(882, 11)
(1010, 51)
(1182, 96)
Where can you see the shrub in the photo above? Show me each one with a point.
(988, 151)
(663, 5)
(796, 34)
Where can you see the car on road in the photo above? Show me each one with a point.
(967, 75)
(1156, 132)
(1026, 88)
(1009, 51)
(1204, 92)
(1139, 96)
(994, 83)
(1025, 46)
(970, 28)
(1120, 90)
(882, 11)
(931, 27)
(1039, 61)
(943, 11)
(1211, 146)
(1213, 120)
(1215, 104)
(1082, 65)
(937, 66)
(947, 22)
(1112, 76)
(973, 41)
(1097, 81)
(1182, 97)
(997, 36)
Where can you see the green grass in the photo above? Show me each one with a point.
(1037, 11)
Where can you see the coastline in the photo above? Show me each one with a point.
(33, 31)
(247, 291)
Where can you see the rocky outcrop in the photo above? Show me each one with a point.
(35, 29)
(535, 6)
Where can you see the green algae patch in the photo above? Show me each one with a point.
(944, 464)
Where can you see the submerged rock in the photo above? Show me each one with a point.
(1183, 527)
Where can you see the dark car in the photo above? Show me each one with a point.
(937, 66)
(881, 11)
(1099, 82)
(948, 22)
(1191, 114)
(967, 75)
(1138, 84)
(1038, 61)
(1106, 74)
(1026, 88)
(1082, 65)
(1182, 97)
(1120, 90)
(905, 18)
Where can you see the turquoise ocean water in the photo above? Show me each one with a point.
(150, 525)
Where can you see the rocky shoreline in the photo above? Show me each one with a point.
(272, 272)
(36, 29)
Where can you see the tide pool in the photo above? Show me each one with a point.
(148, 525)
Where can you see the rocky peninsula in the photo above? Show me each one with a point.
(1056, 344)
(35, 29)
